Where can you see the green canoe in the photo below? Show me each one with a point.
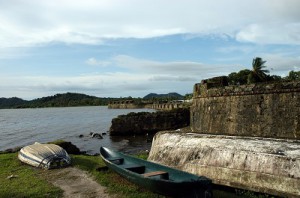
(155, 177)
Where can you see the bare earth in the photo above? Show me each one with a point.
(76, 183)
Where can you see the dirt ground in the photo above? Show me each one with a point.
(76, 183)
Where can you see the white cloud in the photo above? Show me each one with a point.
(39, 86)
(182, 67)
(33, 22)
(268, 33)
(95, 62)
(142, 77)
(180, 70)
(139, 77)
(280, 64)
(173, 78)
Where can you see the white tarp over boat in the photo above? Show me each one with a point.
(44, 155)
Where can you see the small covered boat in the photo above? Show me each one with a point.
(46, 156)
(155, 177)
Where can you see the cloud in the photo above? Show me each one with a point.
(172, 78)
(173, 67)
(34, 22)
(140, 77)
(268, 33)
(95, 62)
(100, 84)
(281, 64)
(180, 70)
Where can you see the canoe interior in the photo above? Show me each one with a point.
(155, 177)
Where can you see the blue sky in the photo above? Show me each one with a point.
(120, 48)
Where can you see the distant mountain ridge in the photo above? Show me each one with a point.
(58, 100)
(172, 95)
(74, 99)
(11, 102)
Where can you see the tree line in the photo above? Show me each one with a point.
(259, 73)
(58, 100)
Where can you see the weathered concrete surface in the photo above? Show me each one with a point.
(261, 164)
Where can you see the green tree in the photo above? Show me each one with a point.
(188, 96)
(274, 78)
(258, 73)
(239, 78)
(293, 75)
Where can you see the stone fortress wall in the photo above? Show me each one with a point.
(264, 110)
(130, 104)
(241, 136)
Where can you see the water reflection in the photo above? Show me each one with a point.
(132, 144)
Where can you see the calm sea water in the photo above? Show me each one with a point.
(20, 127)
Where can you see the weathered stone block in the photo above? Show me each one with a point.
(261, 164)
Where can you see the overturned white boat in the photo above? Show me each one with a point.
(46, 156)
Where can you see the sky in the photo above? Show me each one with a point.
(121, 48)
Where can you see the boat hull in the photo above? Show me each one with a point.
(157, 178)
(46, 156)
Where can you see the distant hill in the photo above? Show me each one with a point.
(11, 102)
(171, 96)
(58, 100)
(74, 99)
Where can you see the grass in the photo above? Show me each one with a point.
(30, 182)
(26, 181)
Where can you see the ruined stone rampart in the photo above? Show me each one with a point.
(265, 110)
(130, 104)
(125, 104)
(167, 106)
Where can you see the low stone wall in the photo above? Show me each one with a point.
(157, 106)
(261, 164)
(167, 106)
(145, 122)
(125, 106)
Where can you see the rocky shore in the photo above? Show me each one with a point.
(149, 123)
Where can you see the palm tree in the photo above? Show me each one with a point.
(258, 73)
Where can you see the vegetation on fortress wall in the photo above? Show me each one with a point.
(259, 73)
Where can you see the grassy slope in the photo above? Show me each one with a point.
(27, 181)
(31, 182)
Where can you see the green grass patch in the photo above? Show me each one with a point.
(25, 181)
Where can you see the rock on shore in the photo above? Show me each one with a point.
(68, 146)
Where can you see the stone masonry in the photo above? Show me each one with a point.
(264, 110)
